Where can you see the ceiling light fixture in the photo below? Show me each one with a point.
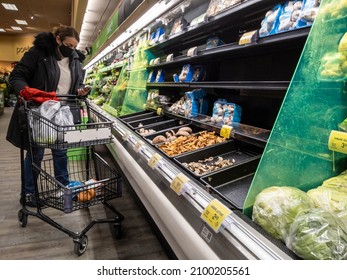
(157, 10)
(16, 28)
(11, 7)
(20, 21)
(2, 30)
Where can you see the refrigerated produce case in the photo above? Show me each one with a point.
(256, 76)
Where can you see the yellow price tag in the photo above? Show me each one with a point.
(178, 182)
(159, 111)
(338, 141)
(247, 37)
(226, 131)
(214, 214)
(138, 146)
(153, 161)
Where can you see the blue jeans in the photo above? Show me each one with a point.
(61, 173)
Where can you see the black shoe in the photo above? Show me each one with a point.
(30, 200)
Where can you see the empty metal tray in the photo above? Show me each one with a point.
(231, 150)
(232, 184)
(138, 116)
(147, 121)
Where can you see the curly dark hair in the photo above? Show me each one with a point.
(66, 31)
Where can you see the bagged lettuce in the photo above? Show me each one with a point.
(317, 234)
(275, 209)
(339, 182)
(329, 198)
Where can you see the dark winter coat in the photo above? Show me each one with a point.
(39, 69)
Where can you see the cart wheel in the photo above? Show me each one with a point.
(118, 230)
(22, 218)
(81, 245)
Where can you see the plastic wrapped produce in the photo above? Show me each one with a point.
(275, 209)
(331, 199)
(335, 10)
(317, 234)
(218, 6)
(333, 67)
(290, 13)
(270, 21)
(339, 182)
(308, 13)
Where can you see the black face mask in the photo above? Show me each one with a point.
(65, 51)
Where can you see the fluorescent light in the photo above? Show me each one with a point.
(2, 30)
(11, 7)
(16, 28)
(152, 14)
(20, 21)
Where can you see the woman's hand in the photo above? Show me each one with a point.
(83, 91)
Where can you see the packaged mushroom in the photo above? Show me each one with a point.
(218, 6)
(225, 113)
(289, 16)
(308, 13)
(269, 23)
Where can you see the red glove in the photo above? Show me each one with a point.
(37, 95)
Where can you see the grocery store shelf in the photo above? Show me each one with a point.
(169, 84)
(236, 14)
(284, 39)
(179, 216)
(253, 85)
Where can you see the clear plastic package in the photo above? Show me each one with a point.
(270, 21)
(290, 14)
(308, 13)
(218, 6)
(333, 67)
(179, 25)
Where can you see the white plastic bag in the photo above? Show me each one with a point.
(63, 118)
(49, 108)
(43, 131)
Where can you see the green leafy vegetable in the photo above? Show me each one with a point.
(275, 208)
(317, 234)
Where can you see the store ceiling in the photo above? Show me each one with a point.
(48, 14)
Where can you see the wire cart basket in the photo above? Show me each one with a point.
(91, 180)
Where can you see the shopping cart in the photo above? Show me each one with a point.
(91, 180)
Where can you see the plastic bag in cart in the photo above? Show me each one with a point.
(63, 117)
(49, 108)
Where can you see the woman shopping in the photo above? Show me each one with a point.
(51, 67)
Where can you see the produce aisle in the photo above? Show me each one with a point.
(39, 240)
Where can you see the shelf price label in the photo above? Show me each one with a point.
(178, 183)
(153, 161)
(137, 146)
(248, 37)
(226, 131)
(338, 141)
(214, 214)
(159, 111)
(126, 136)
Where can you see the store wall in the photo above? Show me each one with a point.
(13, 47)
